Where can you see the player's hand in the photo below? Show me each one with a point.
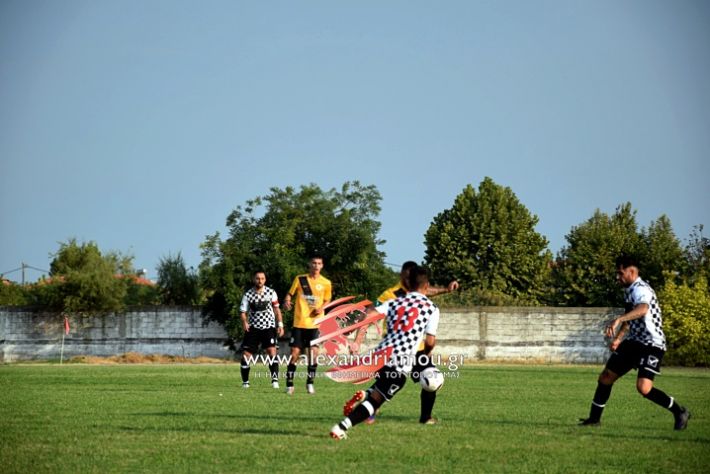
(280, 332)
(287, 305)
(246, 326)
(614, 344)
(453, 286)
(611, 328)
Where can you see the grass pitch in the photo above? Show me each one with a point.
(197, 418)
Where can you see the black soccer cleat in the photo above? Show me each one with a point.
(589, 422)
(681, 419)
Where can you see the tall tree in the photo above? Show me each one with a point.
(277, 233)
(697, 255)
(584, 272)
(662, 252)
(83, 280)
(487, 240)
(177, 285)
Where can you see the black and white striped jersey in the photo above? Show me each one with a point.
(259, 307)
(648, 329)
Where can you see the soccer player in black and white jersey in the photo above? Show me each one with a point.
(263, 326)
(638, 342)
(410, 319)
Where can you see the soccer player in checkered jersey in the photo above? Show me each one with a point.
(311, 292)
(263, 326)
(428, 399)
(638, 343)
(411, 319)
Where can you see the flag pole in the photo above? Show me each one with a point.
(64, 333)
(61, 352)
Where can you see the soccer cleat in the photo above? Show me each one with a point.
(336, 432)
(589, 422)
(275, 384)
(245, 384)
(310, 389)
(290, 390)
(430, 421)
(681, 419)
(350, 405)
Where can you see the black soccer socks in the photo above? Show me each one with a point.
(427, 405)
(601, 396)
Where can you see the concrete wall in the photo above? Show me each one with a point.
(28, 335)
(559, 335)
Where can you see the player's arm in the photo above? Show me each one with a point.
(243, 306)
(291, 293)
(619, 336)
(279, 317)
(439, 290)
(429, 343)
(639, 311)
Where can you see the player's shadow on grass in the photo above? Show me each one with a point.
(170, 414)
(245, 430)
(599, 431)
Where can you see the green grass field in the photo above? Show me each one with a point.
(197, 418)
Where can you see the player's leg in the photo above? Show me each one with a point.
(427, 399)
(269, 343)
(250, 345)
(649, 368)
(312, 364)
(244, 368)
(296, 347)
(617, 366)
(388, 383)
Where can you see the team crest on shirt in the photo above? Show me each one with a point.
(319, 287)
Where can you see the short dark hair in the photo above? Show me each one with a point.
(626, 261)
(408, 265)
(417, 277)
(254, 273)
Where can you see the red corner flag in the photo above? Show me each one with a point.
(66, 325)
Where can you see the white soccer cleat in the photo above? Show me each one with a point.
(275, 384)
(337, 433)
(310, 389)
(245, 384)
(290, 390)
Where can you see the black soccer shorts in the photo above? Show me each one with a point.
(254, 337)
(302, 338)
(388, 382)
(422, 362)
(634, 355)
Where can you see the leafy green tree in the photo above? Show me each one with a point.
(487, 241)
(83, 280)
(697, 255)
(140, 292)
(686, 318)
(662, 253)
(12, 294)
(177, 285)
(278, 233)
(585, 273)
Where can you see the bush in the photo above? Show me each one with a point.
(686, 316)
(481, 297)
(12, 294)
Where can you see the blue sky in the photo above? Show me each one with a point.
(141, 124)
